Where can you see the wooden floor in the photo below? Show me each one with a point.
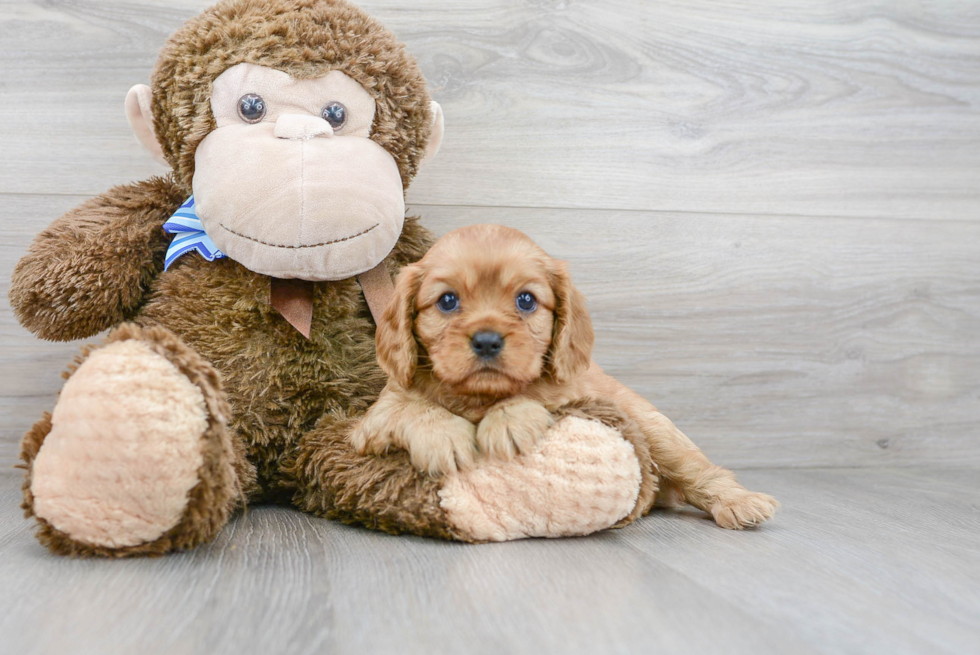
(774, 210)
(858, 561)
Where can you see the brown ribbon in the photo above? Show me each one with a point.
(294, 298)
(378, 290)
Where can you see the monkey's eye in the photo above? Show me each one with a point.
(526, 302)
(335, 114)
(448, 302)
(251, 108)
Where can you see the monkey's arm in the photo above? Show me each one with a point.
(591, 471)
(90, 269)
(387, 493)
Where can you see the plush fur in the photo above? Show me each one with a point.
(609, 415)
(496, 502)
(279, 383)
(223, 478)
(90, 269)
(383, 493)
(123, 481)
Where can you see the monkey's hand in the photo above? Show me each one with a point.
(89, 270)
(512, 427)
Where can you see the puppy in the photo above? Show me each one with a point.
(485, 337)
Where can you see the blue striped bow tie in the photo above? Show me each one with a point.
(190, 235)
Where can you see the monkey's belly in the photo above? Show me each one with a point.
(278, 382)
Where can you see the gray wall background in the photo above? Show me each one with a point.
(773, 208)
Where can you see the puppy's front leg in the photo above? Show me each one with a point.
(437, 440)
(512, 426)
(375, 433)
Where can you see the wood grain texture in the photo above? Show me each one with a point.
(781, 342)
(784, 342)
(882, 561)
(858, 108)
(857, 561)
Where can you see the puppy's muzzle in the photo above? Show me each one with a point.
(487, 345)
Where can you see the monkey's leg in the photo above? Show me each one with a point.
(136, 458)
(590, 471)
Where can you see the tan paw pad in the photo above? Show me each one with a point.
(581, 476)
(124, 449)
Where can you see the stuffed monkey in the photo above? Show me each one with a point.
(239, 290)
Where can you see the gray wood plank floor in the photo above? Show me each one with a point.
(774, 210)
(858, 561)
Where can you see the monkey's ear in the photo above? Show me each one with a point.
(397, 352)
(140, 117)
(438, 128)
(571, 343)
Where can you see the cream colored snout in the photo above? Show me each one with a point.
(301, 127)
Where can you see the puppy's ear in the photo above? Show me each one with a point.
(572, 336)
(395, 341)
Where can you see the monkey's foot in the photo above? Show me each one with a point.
(581, 476)
(135, 458)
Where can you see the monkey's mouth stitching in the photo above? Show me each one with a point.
(311, 245)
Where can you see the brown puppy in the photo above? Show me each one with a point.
(485, 336)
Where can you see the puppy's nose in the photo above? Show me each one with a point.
(487, 345)
(302, 127)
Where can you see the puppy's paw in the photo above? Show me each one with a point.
(512, 428)
(372, 436)
(743, 509)
(442, 446)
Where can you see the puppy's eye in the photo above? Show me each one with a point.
(526, 302)
(448, 302)
(251, 108)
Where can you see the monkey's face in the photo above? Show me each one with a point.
(289, 184)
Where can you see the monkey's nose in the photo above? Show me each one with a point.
(487, 345)
(300, 126)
